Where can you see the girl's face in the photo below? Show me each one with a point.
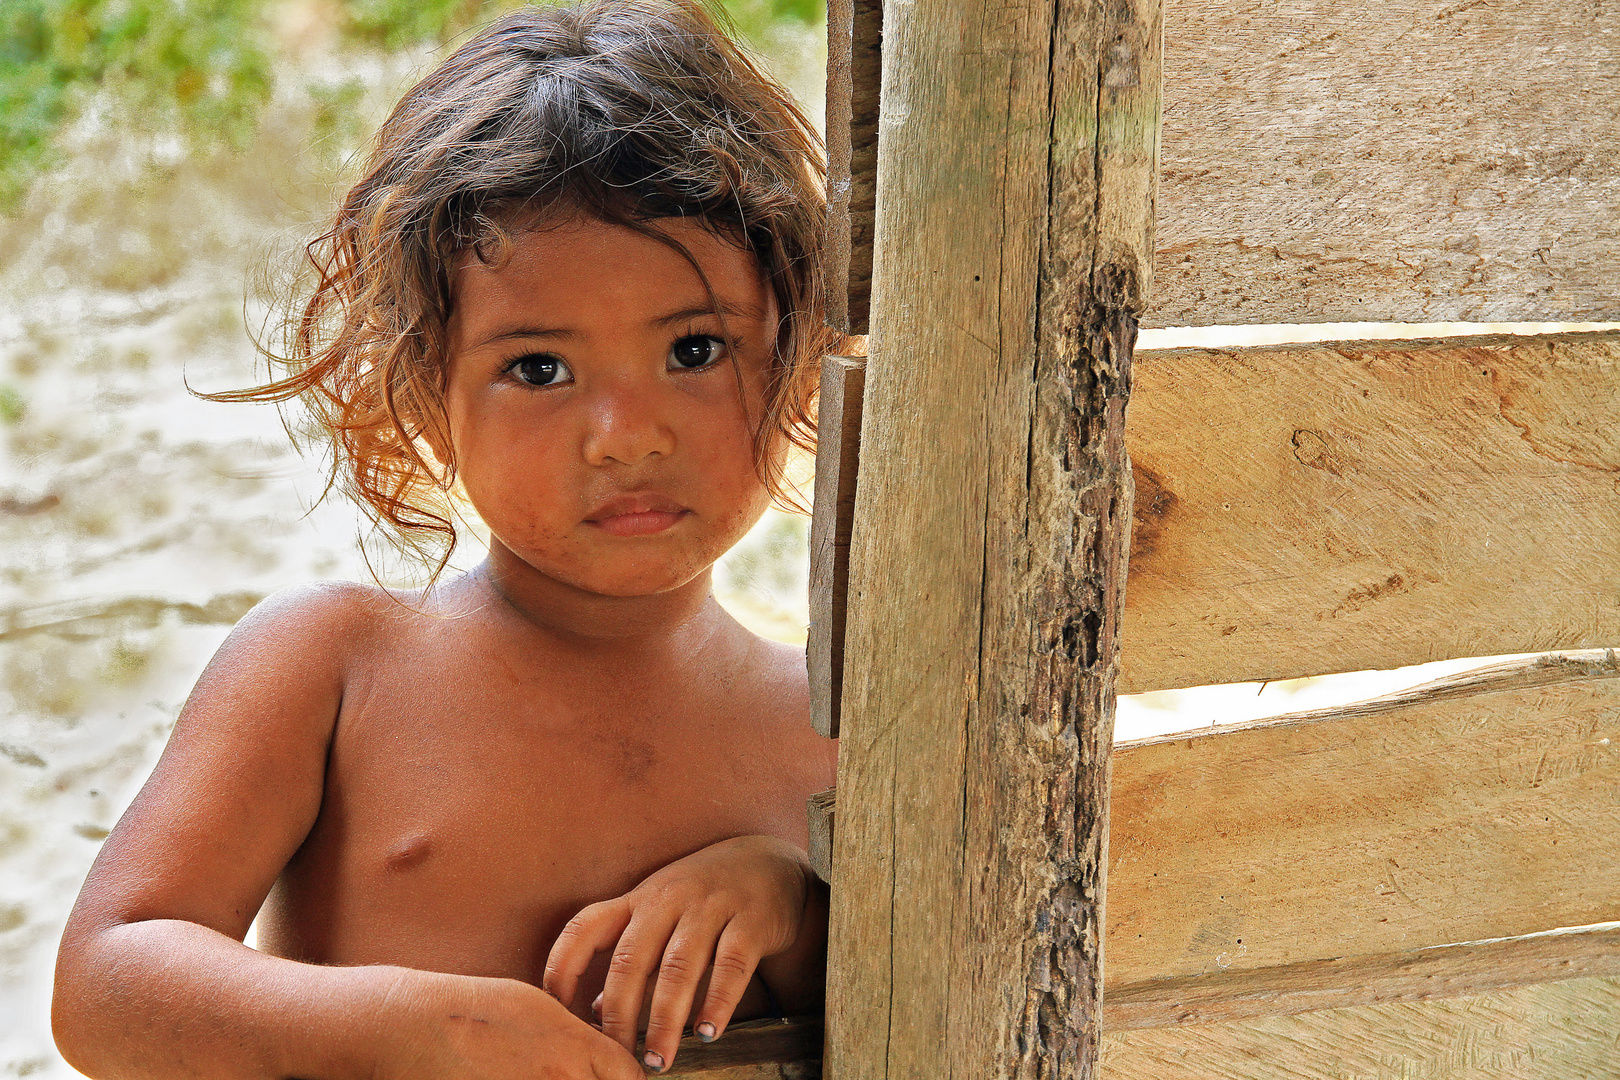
(595, 411)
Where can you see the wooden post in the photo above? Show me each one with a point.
(1017, 154)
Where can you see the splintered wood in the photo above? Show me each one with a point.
(1405, 161)
(1016, 168)
(1349, 506)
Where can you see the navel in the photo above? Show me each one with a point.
(408, 853)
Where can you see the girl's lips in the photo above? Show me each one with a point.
(640, 513)
(642, 523)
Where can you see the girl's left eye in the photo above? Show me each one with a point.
(695, 351)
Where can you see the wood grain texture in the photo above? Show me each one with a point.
(1431, 972)
(819, 809)
(1355, 505)
(1404, 161)
(755, 1050)
(838, 456)
(854, 71)
(1444, 971)
(1554, 1031)
(1484, 807)
(1418, 845)
(1016, 167)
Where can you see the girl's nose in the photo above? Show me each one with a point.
(627, 426)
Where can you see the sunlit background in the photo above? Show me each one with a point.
(161, 163)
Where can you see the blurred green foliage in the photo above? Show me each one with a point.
(205, 68)
(197, 65)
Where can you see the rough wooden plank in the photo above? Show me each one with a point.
(838, 455)
(1346, 506)
(1554, 1031)
(854, 71)
(1404, 161)
(756, 1050)
(1485, 807)
(1432, 972)
(1017, 161)
(1445, 971)
(819, 809)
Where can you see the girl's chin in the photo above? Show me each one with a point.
(639, 579)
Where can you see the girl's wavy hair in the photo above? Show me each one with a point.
(625, 110)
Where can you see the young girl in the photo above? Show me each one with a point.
(578, 284)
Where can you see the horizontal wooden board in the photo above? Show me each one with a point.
(1400, 161)
(755, 1050)
(1486, 805)
(1554, 1031)
(1443, 971)
(1356, 505)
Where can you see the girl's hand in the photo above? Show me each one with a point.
(717, 912)
(493, 1029)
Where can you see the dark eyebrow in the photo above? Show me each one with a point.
(730, 311)
(527, 332)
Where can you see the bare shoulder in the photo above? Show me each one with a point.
(242, 779)
(785, 684)
(782, 676)
(319, 613)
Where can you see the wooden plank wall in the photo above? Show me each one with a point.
(1553, 1031)
(1485, 805)
(1367, 505)
(1422, 844)
(1398, 161)
(1245, 861)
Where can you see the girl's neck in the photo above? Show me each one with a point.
(594, 622)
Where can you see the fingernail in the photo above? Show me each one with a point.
(654, 1062)
(705, 1031)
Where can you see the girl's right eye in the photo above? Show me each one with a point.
(540, 369)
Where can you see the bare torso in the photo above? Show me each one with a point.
(486, 780)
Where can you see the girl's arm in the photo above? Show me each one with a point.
(153, 979)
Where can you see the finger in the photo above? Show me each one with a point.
(685, 962)
(593, 930)
(634, 960)
(733, 968)
(610, 1061)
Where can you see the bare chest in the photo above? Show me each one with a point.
(459, 831)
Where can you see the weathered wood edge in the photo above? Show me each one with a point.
(1546, 670)
(752, 1042)
(820, 808)
(1393, 345)
(1441, 971)
(854, 73)
(838, 452)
